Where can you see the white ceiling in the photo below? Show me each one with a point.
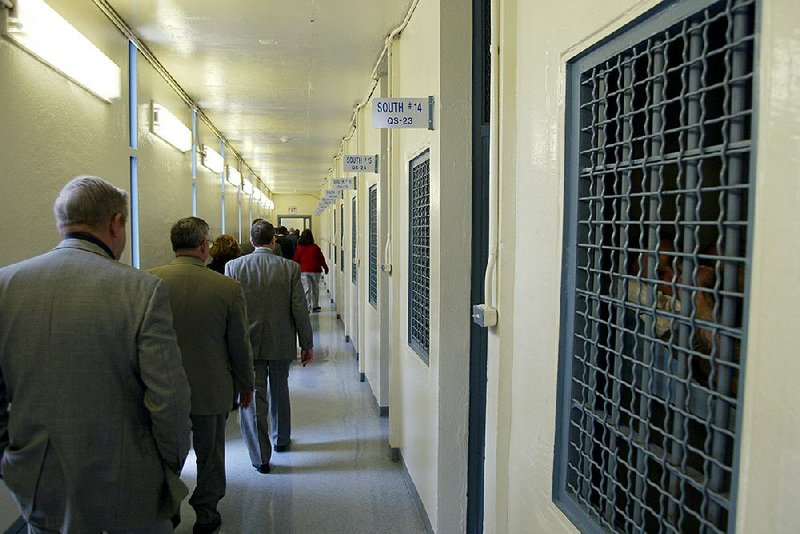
(278, 78)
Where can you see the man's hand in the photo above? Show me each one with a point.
(306, 355)
(245, 399)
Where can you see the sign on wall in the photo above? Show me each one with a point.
(361, 163)
(340, 184)
(402, 113)
(292, 209)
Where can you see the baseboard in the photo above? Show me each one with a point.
(412, 489)
(383, 411)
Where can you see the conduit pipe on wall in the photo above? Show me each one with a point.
(486, 314)
(386, 52)
(123, 27)
(387, 251)
(386, 46)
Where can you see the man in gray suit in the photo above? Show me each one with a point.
(211, 323)
(94, 402)
(278, 315)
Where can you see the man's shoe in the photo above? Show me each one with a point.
(281, 448)
(263, 468)
(316, 309)
(207, 528)
(176, 519)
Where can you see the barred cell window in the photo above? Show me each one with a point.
(341, 236)
(334, 254)
(353, 238)
(419, 255)
(658, 200)
(373, 245)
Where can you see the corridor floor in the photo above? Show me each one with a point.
(338, 476)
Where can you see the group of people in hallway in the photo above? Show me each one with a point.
(299, 248)
(106, 370)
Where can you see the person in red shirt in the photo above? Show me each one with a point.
(312, 262)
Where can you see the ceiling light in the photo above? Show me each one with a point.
(169, 128)
(212, 160)
(234, 176)
(285, 139)
(247, 186)
(39, 29)
(267, 41)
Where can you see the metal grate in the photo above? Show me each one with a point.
(373, 245)
(341, 237)
(353, 239)
(658, 215)
(420, 255)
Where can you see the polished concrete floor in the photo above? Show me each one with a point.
(338, 476)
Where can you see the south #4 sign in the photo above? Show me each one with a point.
(402, 113)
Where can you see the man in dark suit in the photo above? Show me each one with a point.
(100, 423)
(211, 323)
(287, 245)
(278, 313)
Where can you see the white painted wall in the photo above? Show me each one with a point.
(165, 173)
(306, 204)
(770, 456)
(376, 370)
(53, 130)
(209, 186)
(428, 408)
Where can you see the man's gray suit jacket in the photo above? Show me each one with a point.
(94, 402)
(211, 323)
(276, 304)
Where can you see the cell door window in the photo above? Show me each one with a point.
(658, 199)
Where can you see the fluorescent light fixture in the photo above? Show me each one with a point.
(212, 160)
(234, 176)
(247, 187)
(39, 29)
(169, 128)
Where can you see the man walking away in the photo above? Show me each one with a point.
(100, 423)
(278, 315)
(211, 323)
(287, 245)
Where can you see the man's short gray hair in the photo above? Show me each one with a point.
(91, 201)
(188, 233)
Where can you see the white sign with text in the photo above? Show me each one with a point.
(401, 113)
(341, 184)
(360, 163)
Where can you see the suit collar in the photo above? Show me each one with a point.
(82, 244)
(188, 260)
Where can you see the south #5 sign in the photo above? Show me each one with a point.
(361, 163)
(402, 113)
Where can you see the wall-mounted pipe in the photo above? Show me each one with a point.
(486, 314)
(386, 44)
